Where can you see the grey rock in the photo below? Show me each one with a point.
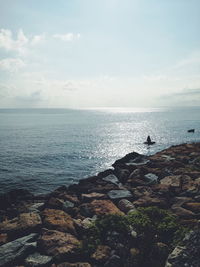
(167, 157)
(138, 161)
(151, 178)
(17, 249)
(112, 179)
(125, 205)
(38, 260)
(68, 205)
(36, 207)
(117, 194)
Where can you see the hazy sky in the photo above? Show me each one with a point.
(99, 53)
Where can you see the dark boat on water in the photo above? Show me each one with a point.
(191, 131)
(149, 142)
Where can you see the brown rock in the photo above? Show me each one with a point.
(147, 201)
(94, 195)
(102, 207)
(3, 239)
(58, 244)
(101, 254)
(162, 189)
(183, 213)
(173, 181)
(25, 222)
(194, 206)
(141, 191)
(58, 220)
(187, 183)
(179, 201)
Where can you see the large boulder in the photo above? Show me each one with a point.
(99, 207)
(173, 181)
(24, 223)
(102, 207)
(58, 220)
(12, 252)
(58, 244)
(111, 178)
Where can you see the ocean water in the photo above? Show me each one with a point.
(41, 149)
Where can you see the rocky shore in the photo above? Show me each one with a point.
(144, 212)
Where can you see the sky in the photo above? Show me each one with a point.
(99, 53)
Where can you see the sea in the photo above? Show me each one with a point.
(42, 149)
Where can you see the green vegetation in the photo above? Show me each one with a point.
(156, 223)
(151, 224)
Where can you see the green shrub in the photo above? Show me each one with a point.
(112, 222)
(151, 224)
(155, 222)
(98, 231)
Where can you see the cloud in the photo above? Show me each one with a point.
(67, 37)
(186, 97)
(188, 92)
(38, 39)
(31, 98)
(20, 43)
(11, 64)
(191, 60)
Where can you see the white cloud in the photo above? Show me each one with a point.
(21, 43)
(37, 39)
(191, 60)
(67, 37)
(11, 64)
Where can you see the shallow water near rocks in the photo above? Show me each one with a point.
(41, 149)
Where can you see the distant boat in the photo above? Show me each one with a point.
(191, 131)
(149, 142)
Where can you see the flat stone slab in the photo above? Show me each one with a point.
(115, 194)
(112, 179)
(17, 249)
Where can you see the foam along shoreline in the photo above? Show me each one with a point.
(50, 230)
